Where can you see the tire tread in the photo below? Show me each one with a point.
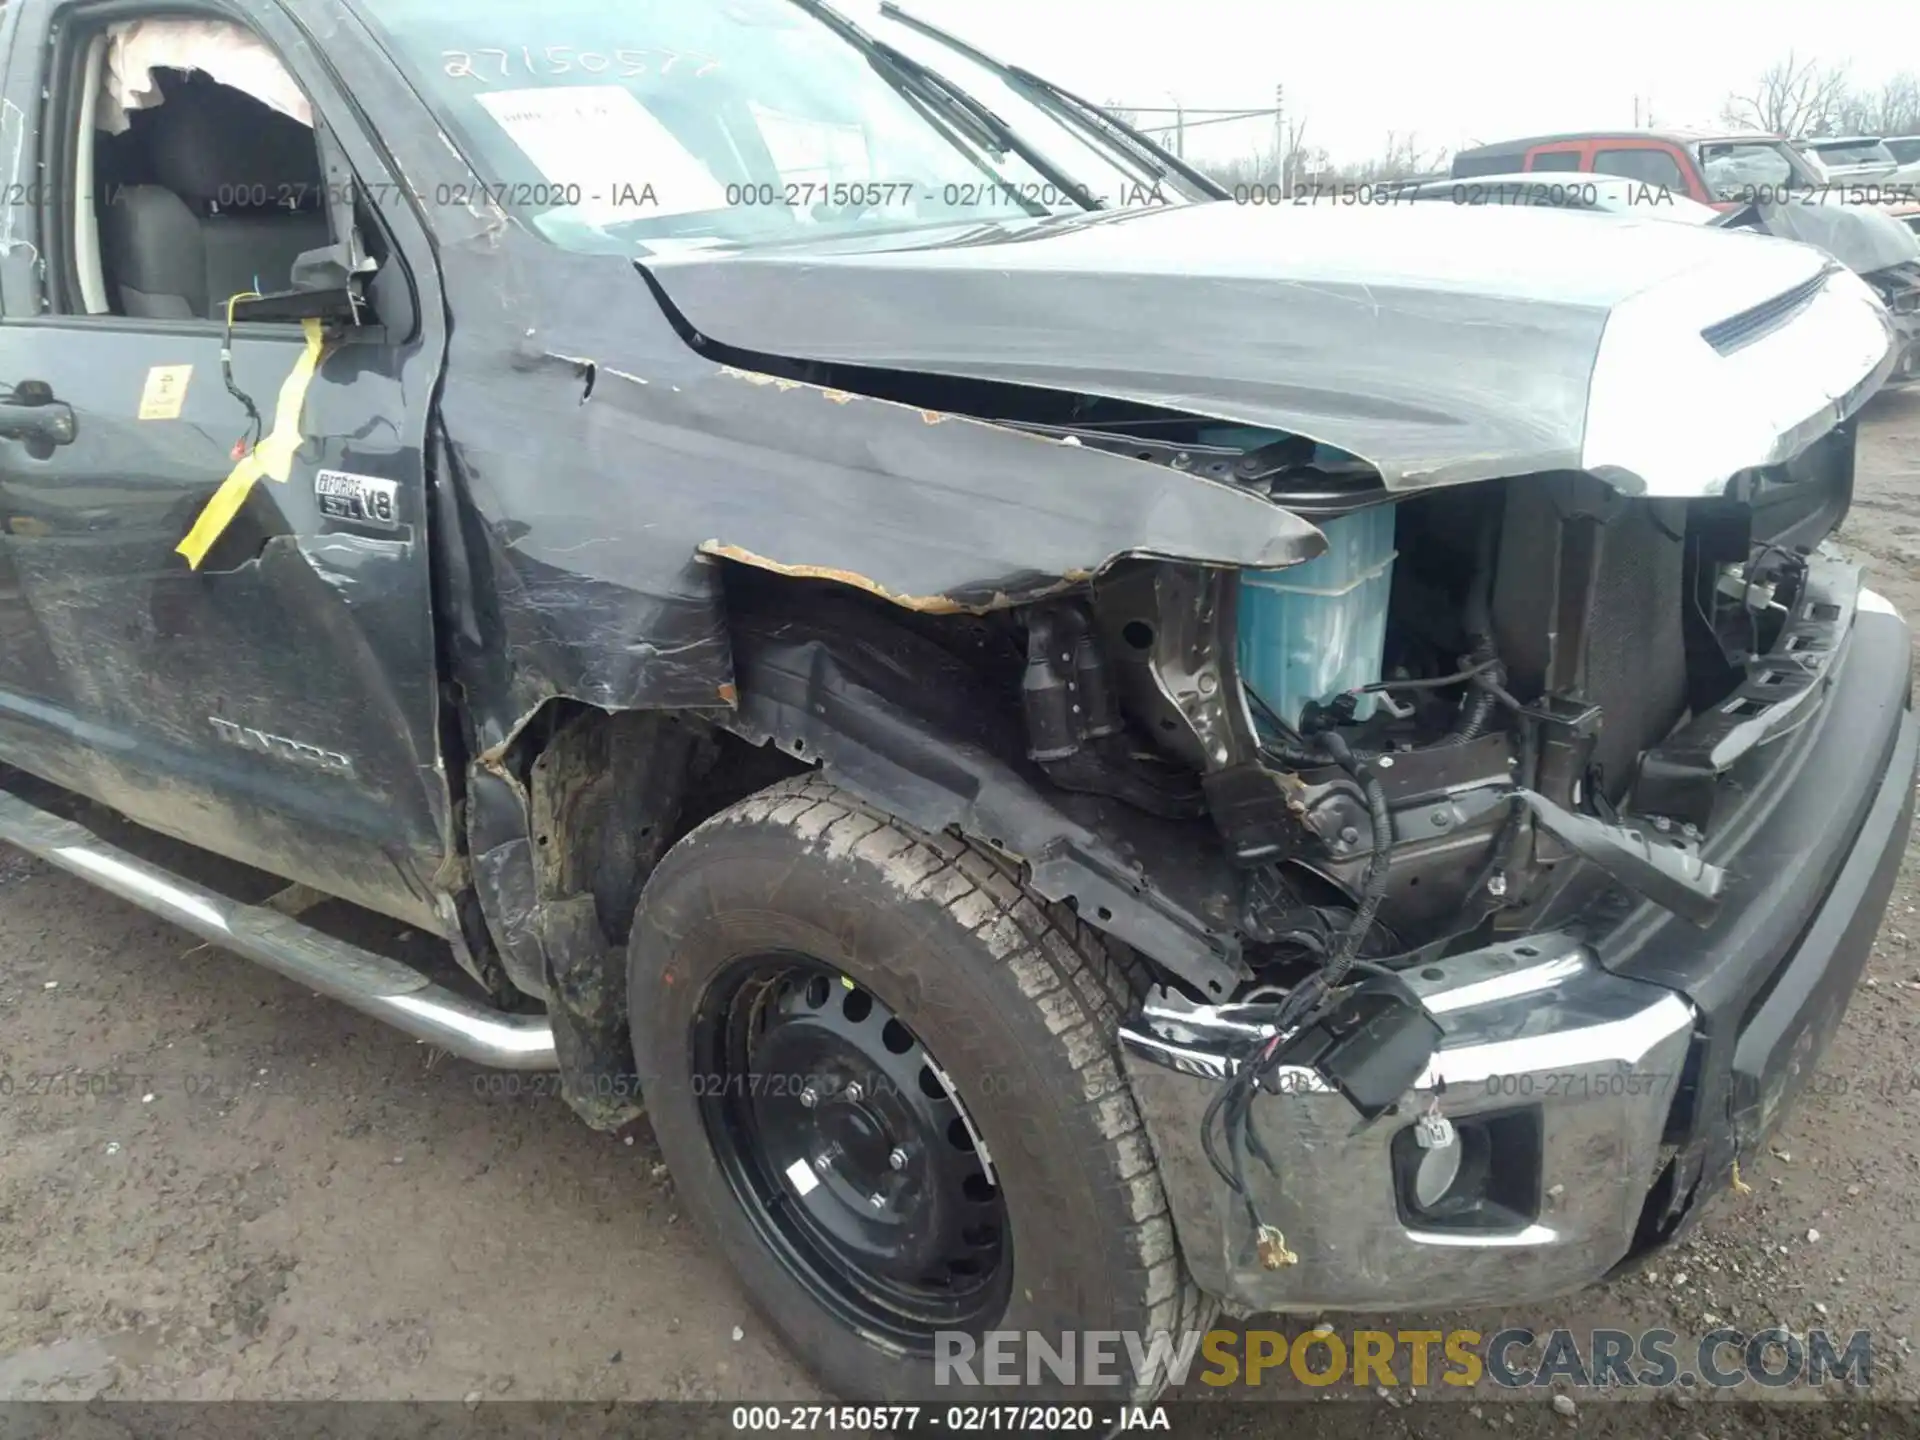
(1081, 980)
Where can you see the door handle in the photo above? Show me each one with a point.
(51, 423)
(29, 412)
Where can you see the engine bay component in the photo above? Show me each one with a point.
(1316, 630)
(1074, 728)
(1668, 874)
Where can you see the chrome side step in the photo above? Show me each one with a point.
(370, 983)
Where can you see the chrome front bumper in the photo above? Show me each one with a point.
(1534, 1027)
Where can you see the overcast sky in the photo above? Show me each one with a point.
(1453, 71)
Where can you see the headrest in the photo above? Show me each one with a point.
(213, 145)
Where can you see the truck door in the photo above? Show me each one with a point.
(214, 588)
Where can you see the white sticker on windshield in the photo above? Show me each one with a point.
(601, 139)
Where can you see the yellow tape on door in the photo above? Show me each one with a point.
(272, 457)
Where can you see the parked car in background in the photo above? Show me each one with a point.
(1905, 148)
(1852, 157)
(1599, 194)
(1722, 169)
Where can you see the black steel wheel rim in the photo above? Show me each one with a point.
(850, 1151)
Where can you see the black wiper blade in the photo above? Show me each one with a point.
(1148, 151)
(961, 118)
(1001, 136)
(1107, 131)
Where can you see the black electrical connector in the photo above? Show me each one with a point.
(1371, 1045)
(1371, 1041)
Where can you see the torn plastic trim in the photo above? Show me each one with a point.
(1672, 875)
(1162, 887)
(1677, 777)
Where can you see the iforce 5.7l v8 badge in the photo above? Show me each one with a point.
(360, 499)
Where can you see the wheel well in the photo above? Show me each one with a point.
(918, 715)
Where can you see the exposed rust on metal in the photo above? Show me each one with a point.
(923, 604)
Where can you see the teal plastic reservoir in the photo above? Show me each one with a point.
(1311, 631)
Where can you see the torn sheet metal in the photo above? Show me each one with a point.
(606, 471)
(1442, 344)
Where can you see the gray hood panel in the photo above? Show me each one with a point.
(1443, 344)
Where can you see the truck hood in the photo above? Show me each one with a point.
(1441, 344)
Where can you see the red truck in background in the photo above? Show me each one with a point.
(1725, 169)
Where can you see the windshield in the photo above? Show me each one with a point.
(646, 125)
(1905, 150)
(1750, 170)
(1854, 152)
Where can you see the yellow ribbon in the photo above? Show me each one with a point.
(272, 457)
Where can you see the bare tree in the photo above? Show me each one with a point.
(1280, 164)
(1292, 147)
(1402, 159)
(1793, 97)
(1256, 168)
(1893, 109)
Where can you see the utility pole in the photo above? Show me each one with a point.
(1280, 134)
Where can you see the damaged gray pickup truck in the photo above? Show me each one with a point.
(1081, 759)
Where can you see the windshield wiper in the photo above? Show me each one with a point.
(1005, 138)
(1107, 131)
(952, 109)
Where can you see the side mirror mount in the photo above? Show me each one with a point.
(311, 299)
(326, 281)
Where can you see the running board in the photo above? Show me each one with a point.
(370, 983)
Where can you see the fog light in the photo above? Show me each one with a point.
(1486, 1178)
(1436, 1174)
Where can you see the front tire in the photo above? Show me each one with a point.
(884, 1077)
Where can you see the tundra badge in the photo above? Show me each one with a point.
(248, 738)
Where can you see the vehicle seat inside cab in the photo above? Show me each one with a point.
(207, 195)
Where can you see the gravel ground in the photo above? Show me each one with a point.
(214, 1185)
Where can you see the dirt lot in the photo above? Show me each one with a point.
(275, 1198)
